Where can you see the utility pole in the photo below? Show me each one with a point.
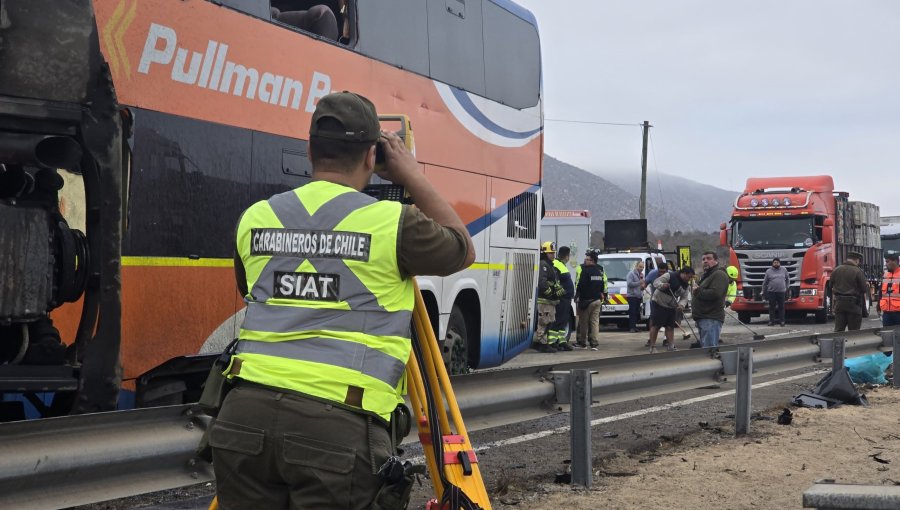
(646, 126)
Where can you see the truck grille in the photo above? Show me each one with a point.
(753, 271)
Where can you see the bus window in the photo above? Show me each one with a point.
(512, 81)
(257, 8)
(456, 44)
(317, 17)
(396, 32)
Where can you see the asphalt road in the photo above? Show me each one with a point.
(532, 452)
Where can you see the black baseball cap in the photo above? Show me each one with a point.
(355, 114)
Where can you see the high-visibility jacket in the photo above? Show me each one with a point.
(890, 291)
(731, 296)
(328, 312)
(565, 278)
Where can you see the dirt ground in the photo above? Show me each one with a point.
(770, 468)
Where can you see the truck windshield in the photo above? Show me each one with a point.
(773, 233)
(890, 244)
(617, 269)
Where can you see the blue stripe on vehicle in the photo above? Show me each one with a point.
(480, 224)
(466, 102)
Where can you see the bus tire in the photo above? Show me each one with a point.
(457, 343)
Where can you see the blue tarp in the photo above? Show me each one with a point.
(869, 368)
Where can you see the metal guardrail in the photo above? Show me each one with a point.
(67, 461)
(76, 460)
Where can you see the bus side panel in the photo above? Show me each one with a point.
(212, 63)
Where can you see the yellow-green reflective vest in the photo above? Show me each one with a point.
(328, 312)
(732, 292)
(562, 268)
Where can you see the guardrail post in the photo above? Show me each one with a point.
(743, 391)
(580, 424)
(895, 344)
(837, 355)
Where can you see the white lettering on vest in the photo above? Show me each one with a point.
(307, 286)
(310, 244)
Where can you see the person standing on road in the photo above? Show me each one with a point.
(889, 304)
(849, 288)
(635, 294)
(549, 292)
(708, 303)
(731, 297)
(671, 296)
(318, 369)
(560, 327)
(774, 290)
(590, 295)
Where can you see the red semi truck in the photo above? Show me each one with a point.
(810, 227)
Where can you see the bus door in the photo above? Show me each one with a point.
(513, 267)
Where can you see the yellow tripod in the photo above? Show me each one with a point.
(453, 465)
(455, 475)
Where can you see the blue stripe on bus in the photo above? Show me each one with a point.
(466, 102)
(480, 224)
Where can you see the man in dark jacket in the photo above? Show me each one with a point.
(708, 303)
(558, 330)
(774, 289)
(589, 296)
(848, 289)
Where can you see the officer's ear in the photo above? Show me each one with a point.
(370, 158)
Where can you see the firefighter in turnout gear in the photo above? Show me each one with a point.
(558, 330)
(549, 291)
(326, 273)
(889, 304)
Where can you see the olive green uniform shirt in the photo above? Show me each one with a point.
(848, 288)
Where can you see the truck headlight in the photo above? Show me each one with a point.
(808, 292)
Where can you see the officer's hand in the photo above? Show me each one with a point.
(399, 163)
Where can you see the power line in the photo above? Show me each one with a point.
(570, 121)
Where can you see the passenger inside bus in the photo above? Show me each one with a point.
(315, 17)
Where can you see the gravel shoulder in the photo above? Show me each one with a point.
(770, 468)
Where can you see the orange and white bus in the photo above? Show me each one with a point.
(220, 95)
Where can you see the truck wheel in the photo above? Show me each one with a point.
(456, 345)
(744, 317)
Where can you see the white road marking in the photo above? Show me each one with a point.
(624, 416)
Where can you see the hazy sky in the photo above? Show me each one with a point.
(733, 89)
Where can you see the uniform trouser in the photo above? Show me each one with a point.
(776, 307)
(282, 451)
(890, 319)
(558, 329)
(589, 324)
(634, 311)
(847, 320)
(546, 316)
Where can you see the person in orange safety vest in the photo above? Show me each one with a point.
(889, 305)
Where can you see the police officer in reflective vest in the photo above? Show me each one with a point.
(889, 304)
(326, 273)
(558, 330)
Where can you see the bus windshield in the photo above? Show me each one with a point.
(617, 269)
(773, 233)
